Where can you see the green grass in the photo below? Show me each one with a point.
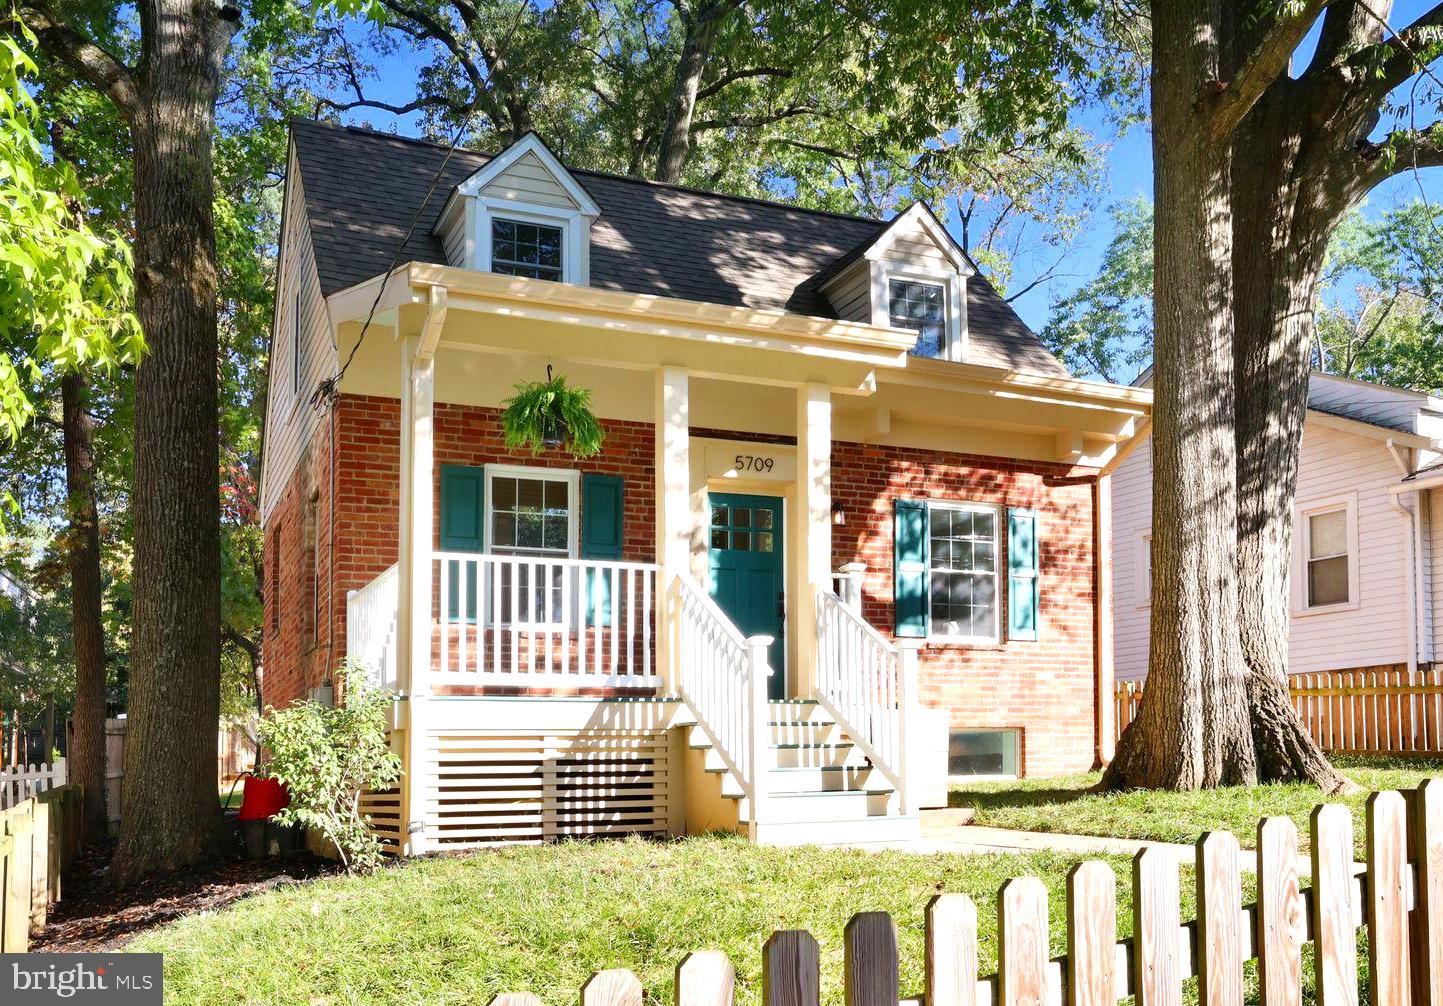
(1066, 805)
(541, 919)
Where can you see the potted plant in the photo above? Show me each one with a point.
(544, 415)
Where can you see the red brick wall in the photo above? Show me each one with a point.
(1044, 689)
(368, 474)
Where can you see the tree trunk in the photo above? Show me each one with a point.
(1280, 235)
(703, 26)
(171, 815)
(86, 757)
(1193, 728)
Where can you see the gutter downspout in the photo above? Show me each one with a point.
(1411, 536)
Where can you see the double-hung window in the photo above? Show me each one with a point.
(962, 571)
(526, 249)
(1328, 561)
(921, 307)
(531, 514)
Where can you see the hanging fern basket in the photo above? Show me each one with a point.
(550, 414)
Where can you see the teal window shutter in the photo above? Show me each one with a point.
(463, 522)
(602, 537)
(909, 571)
(1023, 574)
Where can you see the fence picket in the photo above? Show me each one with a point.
(1427, 844)
(1156, 906)
(1219, 907)
(616, 987)
(871, 977)
(951, 951)
(515, 999)
(1388, 900)
(1336, 949)
(1281, 922)
(1022, 945)
(791, 969)
(1091, 935)
(705, 978)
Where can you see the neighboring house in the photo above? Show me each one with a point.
(571, 636)
(1364, 593)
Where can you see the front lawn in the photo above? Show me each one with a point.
(1066, 805)
(460, 930)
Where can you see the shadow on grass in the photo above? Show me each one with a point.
(1001, 799)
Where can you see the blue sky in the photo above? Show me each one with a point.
(1128, 173)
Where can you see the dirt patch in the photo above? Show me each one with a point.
(93, 916)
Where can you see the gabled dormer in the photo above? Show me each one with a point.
(911, 275)
(523, 214)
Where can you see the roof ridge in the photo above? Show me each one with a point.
(756, 200)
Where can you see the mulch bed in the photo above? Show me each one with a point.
(93, 916)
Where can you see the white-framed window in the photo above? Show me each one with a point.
(982, 754)
(962, 576)
(1326, 549)
(922, 307)
(1142, 563)
(532, 511)
(527, 248)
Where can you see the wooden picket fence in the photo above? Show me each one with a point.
(20, 782)
(1382, 710)
(39, 837)
(1396, 897)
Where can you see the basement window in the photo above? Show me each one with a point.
(982, 753)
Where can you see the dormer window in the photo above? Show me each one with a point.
(921, 307)
(526, 249)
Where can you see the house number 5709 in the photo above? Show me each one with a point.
(753, 463)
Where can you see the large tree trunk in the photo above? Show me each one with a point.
(702, 26)
(86, 757)
(170, 812)
(1280, 234)
(1193, 729)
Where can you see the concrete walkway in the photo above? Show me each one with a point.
(953, 831)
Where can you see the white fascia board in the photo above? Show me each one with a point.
(530, 144)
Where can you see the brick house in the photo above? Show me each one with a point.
(847, 533)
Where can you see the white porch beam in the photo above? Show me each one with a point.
(813, 526)
(414, 625)
(677, 513)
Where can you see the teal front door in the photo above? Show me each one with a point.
(746, 571)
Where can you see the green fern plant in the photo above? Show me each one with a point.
(550, 413)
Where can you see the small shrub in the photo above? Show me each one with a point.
(327, 757)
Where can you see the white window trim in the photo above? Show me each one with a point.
(570, 476)
(997, 516)
(953, 284)
(1348, 503)
(1142, 563)
(575, 228)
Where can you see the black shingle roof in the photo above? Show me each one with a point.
(362, 189)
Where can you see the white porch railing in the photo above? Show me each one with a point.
(371, 628)
(869, 685)
(520, 620)
(723, 677)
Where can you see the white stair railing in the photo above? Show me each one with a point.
(869, 686)
(722, 675)
(371, 628)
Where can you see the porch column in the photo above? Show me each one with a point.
(676, 520)
(813, 532)
(414, 589)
